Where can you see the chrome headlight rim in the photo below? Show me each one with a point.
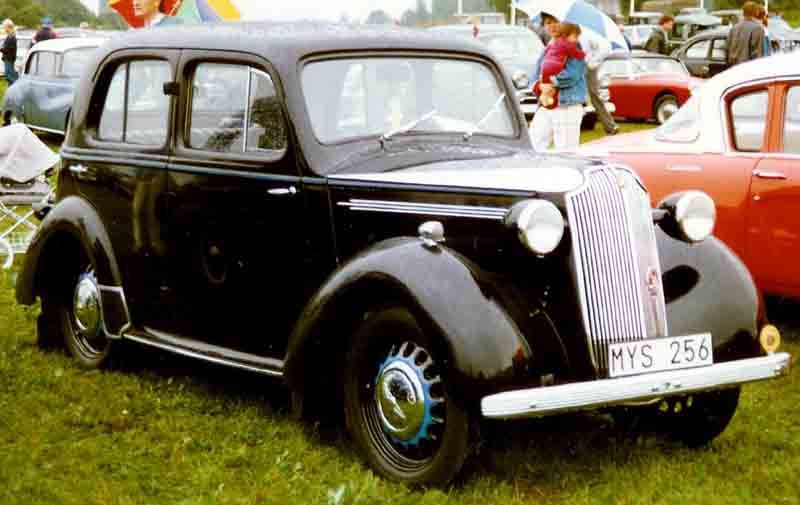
(540, 226)
(521, 79)
(696, 215)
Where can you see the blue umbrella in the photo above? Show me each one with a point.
(595, 24)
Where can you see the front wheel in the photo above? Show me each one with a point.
(664, 108)
(397, 408)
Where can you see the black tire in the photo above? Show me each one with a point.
(57, 322)
(694, 420)
(438, 458)
(662, 106)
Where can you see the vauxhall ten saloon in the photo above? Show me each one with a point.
(359, 213)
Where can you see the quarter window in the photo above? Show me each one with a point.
(46, 64)
(749, 120)
(698, 50)
(31, 69)
(235, 109)
(136, 110)
(719, 51)
(791, 127)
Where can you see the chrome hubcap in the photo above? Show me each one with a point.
(403, 395)
(667, 111)
(86, 306)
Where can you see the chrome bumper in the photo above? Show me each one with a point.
(545, 401)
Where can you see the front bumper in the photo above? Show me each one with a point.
(545, 401)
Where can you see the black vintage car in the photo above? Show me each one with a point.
(359, 213)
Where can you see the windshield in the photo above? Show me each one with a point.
(517, 46)
(659, 66)
(684, 126)
(362, 97)
(76, 60)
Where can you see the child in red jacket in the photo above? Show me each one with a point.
(563, 47)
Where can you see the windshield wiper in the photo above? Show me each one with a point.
(407, 127)
(476, 127)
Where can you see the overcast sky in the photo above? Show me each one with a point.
(323, 9)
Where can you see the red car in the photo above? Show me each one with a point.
(647, 86)
(737, 139)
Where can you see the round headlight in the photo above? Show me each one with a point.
(521, 79)
(540, 226)
(696, 215)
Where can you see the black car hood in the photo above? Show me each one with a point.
(480, 167)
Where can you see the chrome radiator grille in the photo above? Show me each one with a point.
(616, 261)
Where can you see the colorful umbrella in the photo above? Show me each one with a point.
(595, 24)
(188, 11)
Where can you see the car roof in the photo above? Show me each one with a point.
(784, 65)
(65, 44)
(699, 19)
(467, 28)
(619, 55)
(290, 42)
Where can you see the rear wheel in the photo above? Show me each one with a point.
(397, 408)
(664, 108)
(71, 314)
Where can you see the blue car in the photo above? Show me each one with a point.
(42, 97)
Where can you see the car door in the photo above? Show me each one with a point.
(39, 83)
(122, 172)
(774, 216)
(696, 58)
(236, 216)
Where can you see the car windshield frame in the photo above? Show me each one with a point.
(403, 56)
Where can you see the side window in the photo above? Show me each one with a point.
(698, 50)
(136, 110)
(31, 69)
(719, 51)
(791, 127)
(235, 109)
(749, 120)
(352, 109)
(46, 66)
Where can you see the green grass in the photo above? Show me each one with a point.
(164, 430)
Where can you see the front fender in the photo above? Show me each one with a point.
(74, 220)
(445, 291)
(708, 289)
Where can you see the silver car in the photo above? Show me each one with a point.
(42, 97)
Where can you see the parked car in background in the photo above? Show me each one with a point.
(517, 48)
(42, 97)
(738, 139)
(705, 55)
(638, 34)
(689, 25)
(645, 18)
(363, 217)
(646, 86)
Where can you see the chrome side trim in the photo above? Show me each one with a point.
(426, 209)
(219, 360)
(590, 395)
(46, 130)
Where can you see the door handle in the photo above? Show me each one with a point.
(766, 174)
(291, 190)
(685, 168)
(78, 169)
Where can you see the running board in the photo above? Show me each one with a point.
(209, 353)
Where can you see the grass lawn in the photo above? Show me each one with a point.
(162, 429)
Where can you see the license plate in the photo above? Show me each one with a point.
(659, 355)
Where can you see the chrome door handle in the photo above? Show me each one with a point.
(765, 174)
(291, 190)
(78, 169)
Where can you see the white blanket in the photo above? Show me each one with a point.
(23, 156)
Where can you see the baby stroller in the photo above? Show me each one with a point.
(24, 191)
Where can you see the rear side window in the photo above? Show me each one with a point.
(719, 51)
(235, 109)
(46, 64)
(136, 110)
(749, 120)
(31, 69)
(791, 127)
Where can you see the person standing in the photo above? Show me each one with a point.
(560, 126)
(764, 19)
(9, 51)
(746, 39)
(659, 39)
(596, 56)
(45, 32)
